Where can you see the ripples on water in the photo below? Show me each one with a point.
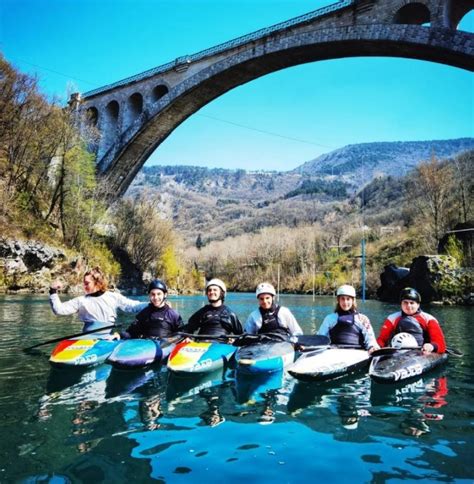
(103, 425)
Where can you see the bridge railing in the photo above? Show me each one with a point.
(258, 34)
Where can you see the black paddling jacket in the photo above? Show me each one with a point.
(214, 321)
(153, 322)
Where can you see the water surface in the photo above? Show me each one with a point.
(109, 426)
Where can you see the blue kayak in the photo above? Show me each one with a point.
(76, 353)
(136, 353)
(264, 357)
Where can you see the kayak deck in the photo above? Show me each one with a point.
(136, 353)
(264, 357)
(81, 352)
(193, 357)
(329, 363)
(403, 364)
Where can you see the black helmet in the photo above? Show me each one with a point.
(410, 294)
(157, 284)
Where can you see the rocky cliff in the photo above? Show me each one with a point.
(30, 266)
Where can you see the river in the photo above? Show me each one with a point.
(109, 426)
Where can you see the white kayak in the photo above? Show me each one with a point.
(328, 363)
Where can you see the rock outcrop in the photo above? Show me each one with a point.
(438, 278)
(392, 282)
(28, 266)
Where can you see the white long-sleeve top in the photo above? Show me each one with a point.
(92, 309)
(285, 319)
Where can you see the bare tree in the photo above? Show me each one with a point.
(432, 188)
(464, 180)
(142, 232)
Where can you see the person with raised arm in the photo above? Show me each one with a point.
(98, 307)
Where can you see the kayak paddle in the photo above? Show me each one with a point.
(56, 340)
(208, 336)
(390, 351)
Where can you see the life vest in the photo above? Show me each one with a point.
(216, 321)
(157, 322)
(345, 331)
(409, 324)
(271, 325)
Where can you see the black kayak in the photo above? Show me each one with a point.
(403, 364)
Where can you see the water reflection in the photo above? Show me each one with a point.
(417, 403)
(328, 406)
(67, 387)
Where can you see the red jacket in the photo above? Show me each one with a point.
(430, 326)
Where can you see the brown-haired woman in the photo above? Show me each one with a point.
(98, 307)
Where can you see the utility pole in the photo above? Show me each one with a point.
(278, 283)
(363, 267)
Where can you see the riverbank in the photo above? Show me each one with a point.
(29, 267)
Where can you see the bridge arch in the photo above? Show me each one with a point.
(459, 12)
(125, 158)
(158, 92)
(417, 13)
(92, 116)
(133, 109)
(110, 124)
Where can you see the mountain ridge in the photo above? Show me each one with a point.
(383, 156)
(220, 202)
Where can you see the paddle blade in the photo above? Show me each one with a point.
(454, 352)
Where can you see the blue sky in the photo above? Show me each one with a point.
(276, 122)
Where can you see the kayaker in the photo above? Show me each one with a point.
(98, 307)
(411, 319)
(346, 326)
(215, 318)
(271, 318)
(158, 320)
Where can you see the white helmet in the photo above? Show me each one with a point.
(404, 340)
(346, 290)
(216, 282)
(265, 288)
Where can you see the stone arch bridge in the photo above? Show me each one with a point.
(135, 115)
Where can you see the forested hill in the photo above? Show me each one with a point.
(368, 160)
(220, 202)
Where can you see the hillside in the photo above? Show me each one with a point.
(218, 203)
